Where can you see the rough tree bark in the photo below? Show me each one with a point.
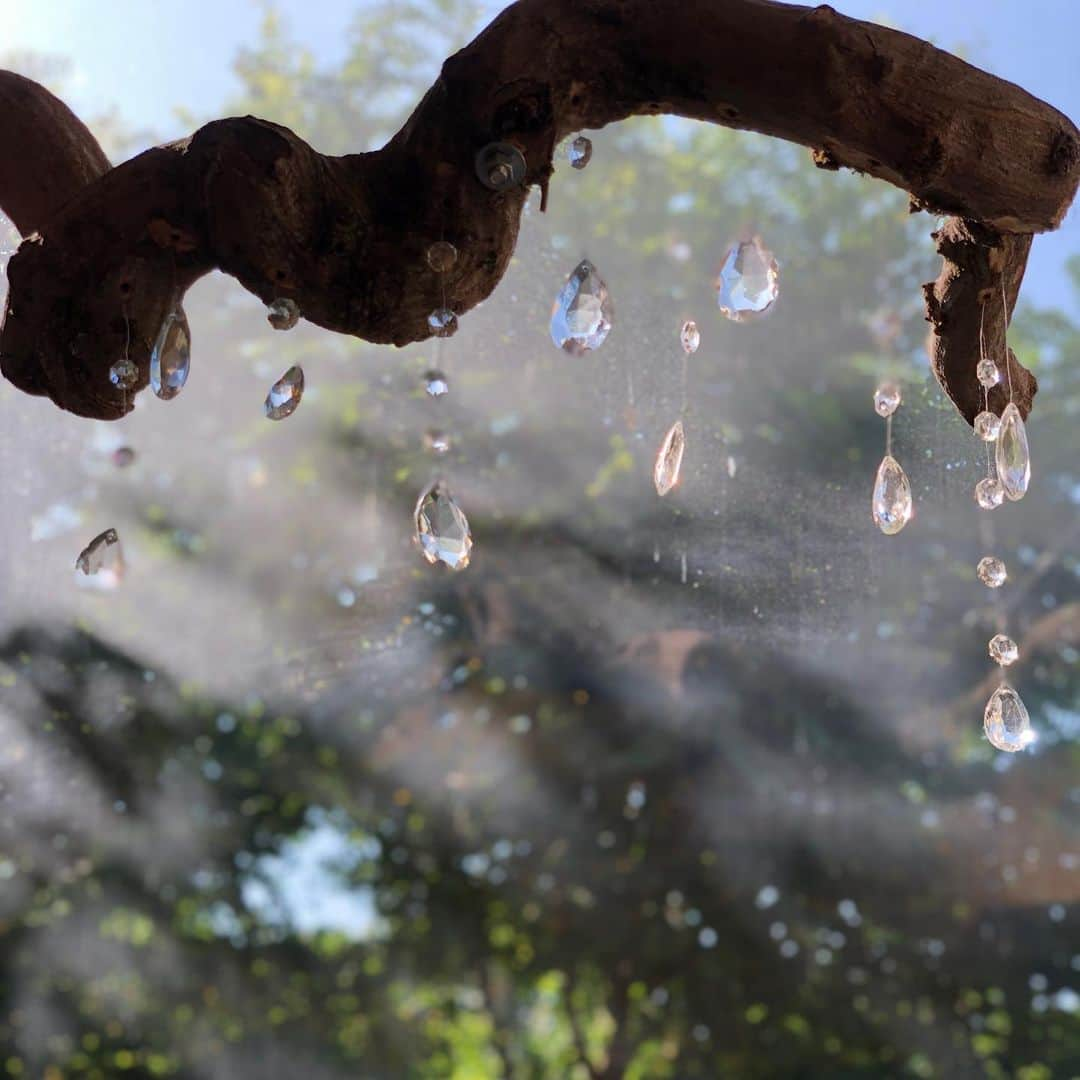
(345, 237)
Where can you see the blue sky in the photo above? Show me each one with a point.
(145, 59)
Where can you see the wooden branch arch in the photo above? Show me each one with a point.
(345, 237)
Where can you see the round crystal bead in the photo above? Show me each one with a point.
(991, 571)
(987, 425)
(989, 493)
(441, 256)
(1003, 650)
(987, 373)
(443, 322)
(887, 399)
(124, 374)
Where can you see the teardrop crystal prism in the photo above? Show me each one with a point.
(989, 493)
(749, 281)
(283, 313)
(103, 557)
(891, 503)
(170, 359)
(669, 459)
(690, 337)
(1011, 455)
(1006, 721)
(582, 313)
(442, 530)
(285, 394)
(580, 152)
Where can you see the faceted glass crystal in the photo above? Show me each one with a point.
(124, 374)
(1006, 721)
(989, 493)
(580, 151)
(436, 383)
(887, 398)
(669, 459)
(1003, 650)
(690, 337)
(442, 530)
(285, 394)
(1012, 455)
(103, 557)
(283, 313)
(749, 281)
(170, 359)
(891, 503)
(987, 425)
(438, 442)
(441, 256)
(443, 322)
(582, 313)
(992, 572)
(986, 371)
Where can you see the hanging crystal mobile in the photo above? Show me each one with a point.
(989, 493)
(1006, 722)
(441, 529)
(891, 503)
(669, 456)
(1011, 453)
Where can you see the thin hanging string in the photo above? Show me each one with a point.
(1005, 336)
(684, 408)
(127, 357)
(985, 389)
(888, 435)
(982, 339)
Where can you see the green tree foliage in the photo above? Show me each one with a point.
(289, 804)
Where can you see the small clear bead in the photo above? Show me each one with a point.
(501, 176)
(992, 572)
(124, 374)
(987, 426)
(443, 322)
(436, 384)
(435, 441)
(580, 152)
(887, 399)
(989, 493)
(441, 256)
(283, 313)
(1003, 650)
(987, 373)
(690, 336)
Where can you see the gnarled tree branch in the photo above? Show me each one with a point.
(345, 236)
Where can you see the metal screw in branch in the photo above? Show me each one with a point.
(500, 166)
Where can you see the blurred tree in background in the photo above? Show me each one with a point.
(653, 790)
